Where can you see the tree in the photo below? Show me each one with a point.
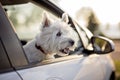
(93, 23)
(90, 19)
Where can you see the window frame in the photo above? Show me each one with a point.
(9, 40)
(5, 65)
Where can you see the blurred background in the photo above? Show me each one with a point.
(101, 17)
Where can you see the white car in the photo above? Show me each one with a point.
(91, 61)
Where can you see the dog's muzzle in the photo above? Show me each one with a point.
(67, 50)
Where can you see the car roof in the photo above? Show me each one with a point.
(12, 2)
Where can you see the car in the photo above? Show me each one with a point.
(91, 61)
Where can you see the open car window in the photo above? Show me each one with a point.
(26, 19)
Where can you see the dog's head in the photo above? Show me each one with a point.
(57, 36)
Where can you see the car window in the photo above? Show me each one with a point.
(27, 22)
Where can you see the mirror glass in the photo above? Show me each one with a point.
(102, 45)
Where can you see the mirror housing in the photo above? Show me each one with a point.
(102, 45)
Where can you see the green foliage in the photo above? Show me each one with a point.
(117, 65)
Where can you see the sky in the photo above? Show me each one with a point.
(107, 11)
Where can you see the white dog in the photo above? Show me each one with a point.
(55, 37)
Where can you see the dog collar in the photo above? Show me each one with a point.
(39, 48)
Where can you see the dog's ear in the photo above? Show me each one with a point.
(46, 20)
(65, 17)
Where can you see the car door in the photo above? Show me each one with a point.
(72, 67)
(68, 68)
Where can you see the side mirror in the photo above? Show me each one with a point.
(102, 45)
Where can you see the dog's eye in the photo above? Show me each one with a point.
(58, 34)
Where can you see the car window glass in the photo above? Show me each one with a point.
(83, 35)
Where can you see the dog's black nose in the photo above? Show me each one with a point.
(71, 42)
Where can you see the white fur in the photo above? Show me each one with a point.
(49, 41)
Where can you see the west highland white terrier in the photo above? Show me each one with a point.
(55, 37)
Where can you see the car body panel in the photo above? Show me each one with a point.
(74, 69)
(10, 76)
(107, 64)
